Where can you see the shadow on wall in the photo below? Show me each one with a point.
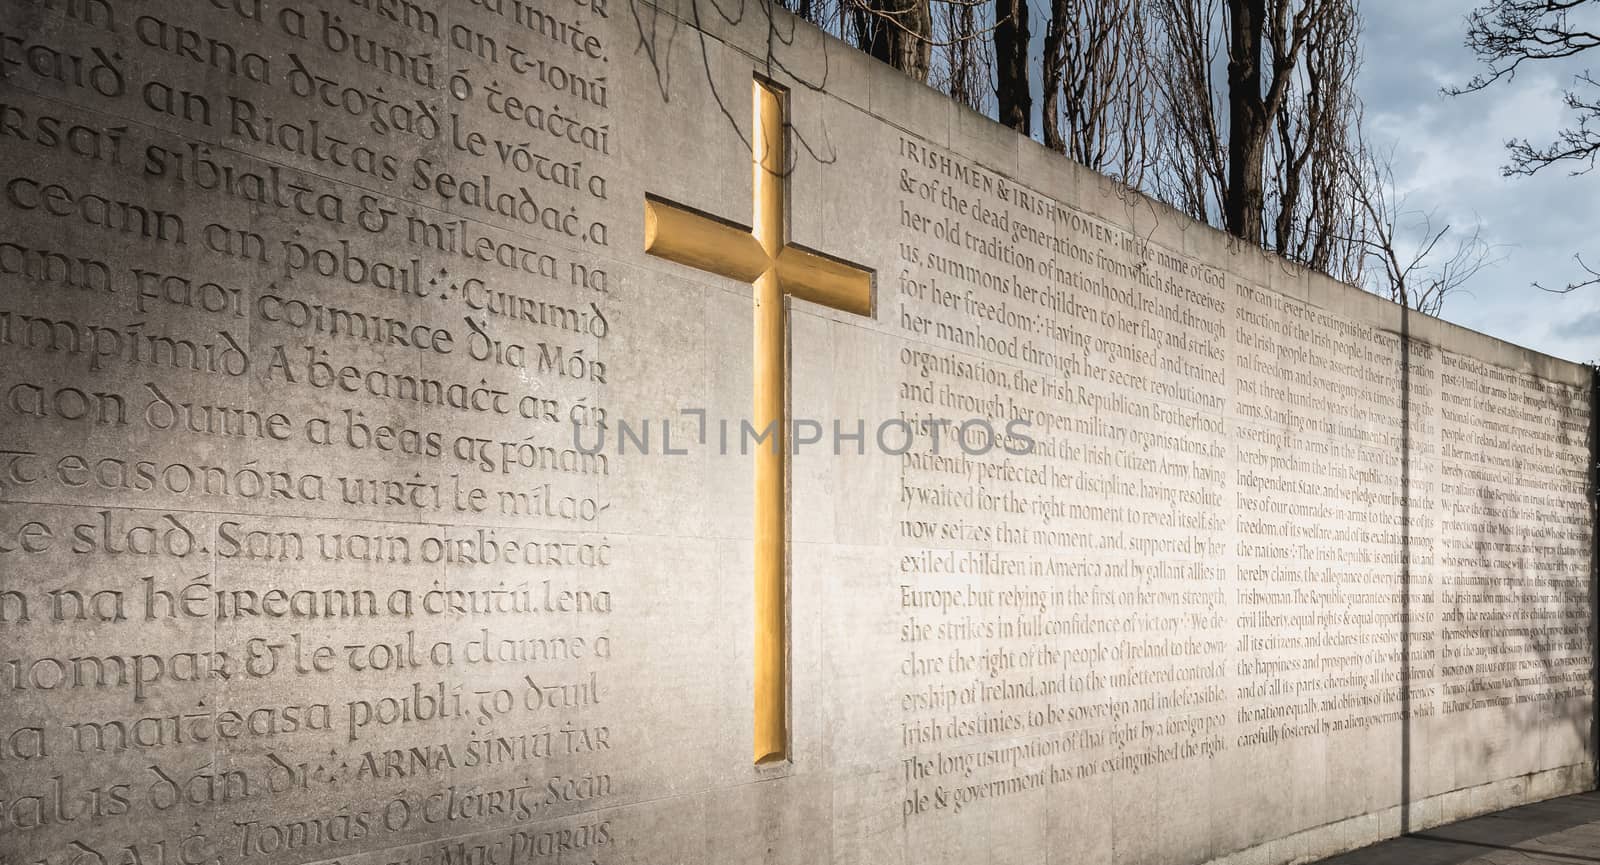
(1542, 640)
(1405, 569)
(1594, 564)
(1554, 652)
(662, 30)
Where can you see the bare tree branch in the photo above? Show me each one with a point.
(1594, 279)
(1509, 33)
(1420, 265)
(1505, 35)
(1298, 107)
(1097, 85)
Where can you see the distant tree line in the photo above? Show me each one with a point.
(1241, 113)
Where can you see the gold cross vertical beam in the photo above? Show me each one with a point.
(771, 399)
(764, 258)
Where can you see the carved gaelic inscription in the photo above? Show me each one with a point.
(298, 303)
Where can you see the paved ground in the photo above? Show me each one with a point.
(1558, 832)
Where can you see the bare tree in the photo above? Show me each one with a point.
(1191, 171)
(898, 32)
(1288, 104)
(1265, 41)
(944, 43)
(1241, 113)
(810, 10)
(1419, 263)
(962, 57)
(1057, 32)
(1507, 34)
(1311, 194)
(1012, 89)
(1096, 85)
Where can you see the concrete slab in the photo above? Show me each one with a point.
(1559, 831)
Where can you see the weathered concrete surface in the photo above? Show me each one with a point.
(301, 305)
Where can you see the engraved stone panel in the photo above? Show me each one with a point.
(369, 495)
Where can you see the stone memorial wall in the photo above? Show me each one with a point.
(369, 494)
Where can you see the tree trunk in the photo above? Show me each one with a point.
(1055, 37)
(1011, 65)
(900, 34)
(1247, 121)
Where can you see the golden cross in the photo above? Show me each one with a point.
(764, 257)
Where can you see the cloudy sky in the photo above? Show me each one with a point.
(1447, 157)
